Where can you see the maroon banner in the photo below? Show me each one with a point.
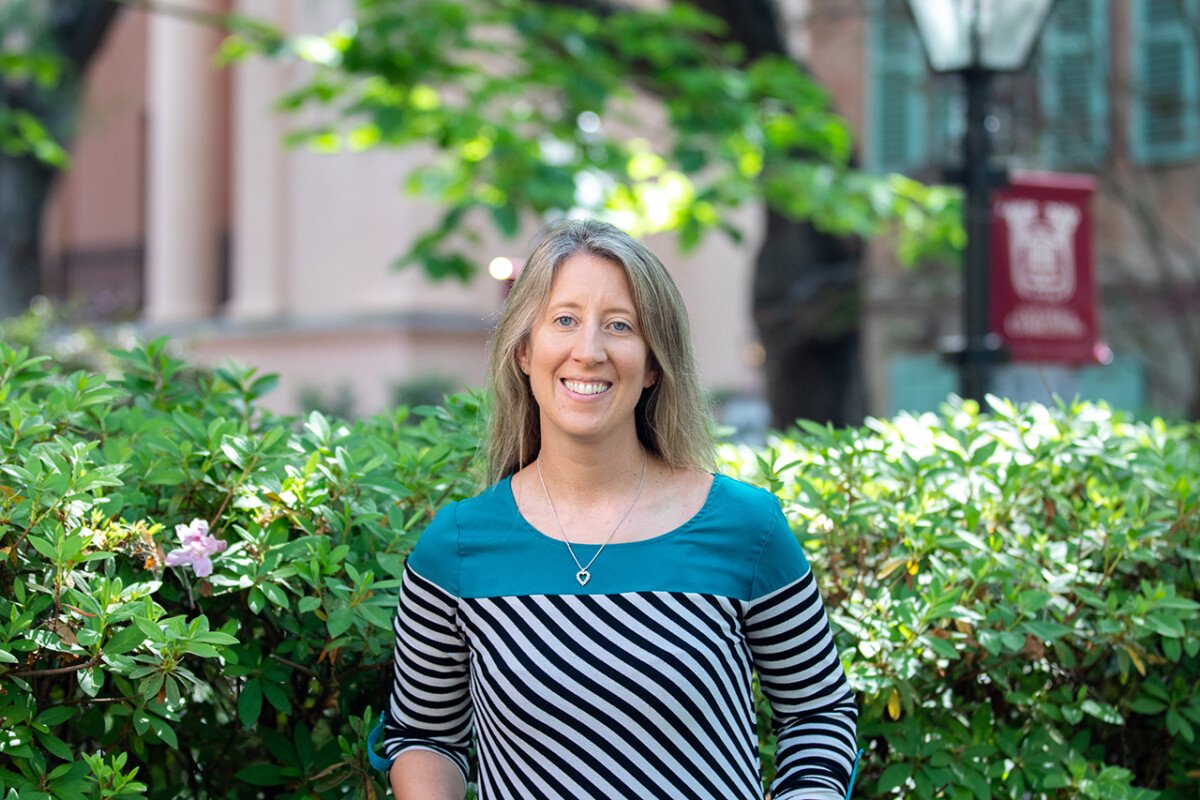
(1043, 293)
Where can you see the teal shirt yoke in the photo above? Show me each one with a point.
(737, 545)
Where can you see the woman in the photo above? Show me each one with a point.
(594, 615)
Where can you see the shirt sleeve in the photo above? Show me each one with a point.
(814, 715)
(429, 706)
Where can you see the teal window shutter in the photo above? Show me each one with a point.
(1165, 118)
(897, 106)
(1073, 84)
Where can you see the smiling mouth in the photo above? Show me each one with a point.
(586, 387)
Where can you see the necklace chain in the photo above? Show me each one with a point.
(584, 574)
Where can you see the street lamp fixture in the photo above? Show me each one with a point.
(996, 35)
(977, 39)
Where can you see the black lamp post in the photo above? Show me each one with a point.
(977, 39)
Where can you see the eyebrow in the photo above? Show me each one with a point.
(571, 304)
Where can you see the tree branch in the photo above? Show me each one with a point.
(295, 666)
(43, 673)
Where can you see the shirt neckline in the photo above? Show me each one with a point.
(511, 499)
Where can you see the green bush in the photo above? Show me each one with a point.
(121, 677)
(1013, 592)
(1017, 596)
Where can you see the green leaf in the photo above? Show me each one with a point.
(255, 599)
(1164, 625)
(55, 716)
(379, 617)
(44, 547)
(250, 703)
(126, 639)
(151, 630)
(942, 647)
(1172, 649)
(308, 603)
(1045, 630)
(976, 782)
(164, 731)
(262, 775)
(506, 219)
(277, 697)
(275, 594)
(91, 681)
(340, 621)
(55, 746)
(1103, 712)
(895, 775)
(215, 637)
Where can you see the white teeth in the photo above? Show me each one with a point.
(585, 388)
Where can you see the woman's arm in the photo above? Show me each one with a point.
(813, 710)
(428, 716)
(814, 713)
(425, 775)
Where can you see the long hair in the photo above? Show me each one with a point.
(671, 419)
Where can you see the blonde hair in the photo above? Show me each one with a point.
(672, 422)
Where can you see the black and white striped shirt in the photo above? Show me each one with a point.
(635, 686)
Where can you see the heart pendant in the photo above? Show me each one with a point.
(583, 576)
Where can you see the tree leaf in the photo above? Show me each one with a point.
(250, 703)
(895, 775)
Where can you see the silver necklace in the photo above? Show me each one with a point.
(584, 574)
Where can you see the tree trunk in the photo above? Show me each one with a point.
(24, 187)
(74, 30)
(807, 309)
(806, 283)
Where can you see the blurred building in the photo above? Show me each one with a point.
(184, 209)
(1113, 90)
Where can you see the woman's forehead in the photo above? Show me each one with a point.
(594, 278)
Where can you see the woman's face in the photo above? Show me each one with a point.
(586, 358)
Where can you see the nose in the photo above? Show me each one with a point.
(589, 345)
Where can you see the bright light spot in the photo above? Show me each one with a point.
(589, 122)
(424, 98)
(316, 50)
(589, 190)
(501, 268)
(645, 165)
(754, 354)
(556, 152)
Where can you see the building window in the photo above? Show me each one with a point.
(1054, 115)
(1073, 84)
(899, 139)
(1165, 123)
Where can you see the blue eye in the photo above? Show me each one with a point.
(562, 321)
(622, 327)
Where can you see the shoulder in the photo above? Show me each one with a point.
(741, 496)
(438, 554)
(485, 508)
(778, 556)
(435, 557)
(755, 509)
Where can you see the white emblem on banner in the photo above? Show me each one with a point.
(1041, 242)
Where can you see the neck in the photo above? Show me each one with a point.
(581, 473)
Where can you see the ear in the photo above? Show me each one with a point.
(651, 374)
(523, 357)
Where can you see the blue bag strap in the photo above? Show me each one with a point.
(853, 772)
(378, 761)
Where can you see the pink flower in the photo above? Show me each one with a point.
(198, 545)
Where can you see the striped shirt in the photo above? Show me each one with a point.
(637, 685)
